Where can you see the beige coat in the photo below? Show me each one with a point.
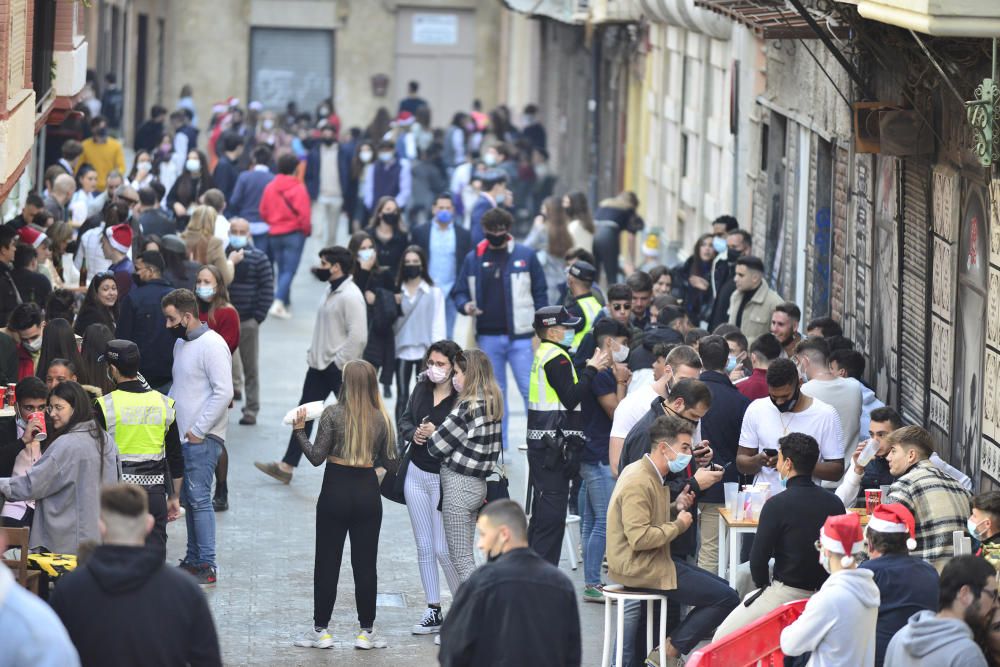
(640, 530)
(757, 314)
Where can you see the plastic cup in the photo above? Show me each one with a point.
(873, 498)
(732, 491)
(868, 453)
(885, 491)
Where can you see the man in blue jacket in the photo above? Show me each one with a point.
(141, 320)
(245, 202)
(493, 193)
(446, 245)
(502, 284)
(328, 180)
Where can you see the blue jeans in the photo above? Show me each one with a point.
(263, 243)
(517, 352)
(450, 314)
(287, 251)
(595, 496)
(196, 494)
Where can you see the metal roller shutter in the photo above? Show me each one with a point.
(914, 301)
(291, 65)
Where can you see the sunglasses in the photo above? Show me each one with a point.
(621, 306)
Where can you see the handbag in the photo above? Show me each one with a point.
(393, 481)
(499, 488)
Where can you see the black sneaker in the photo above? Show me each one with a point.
(206, 575)
(220, 503)
(190, 568)
(430, 623)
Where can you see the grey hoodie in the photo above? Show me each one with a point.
(929, 641)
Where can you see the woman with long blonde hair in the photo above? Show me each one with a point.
(468, 441)
(202, 245)
(355, 438)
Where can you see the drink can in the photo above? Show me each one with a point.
(39, 418)
(3, 396)
(873, 498)
(11, 394)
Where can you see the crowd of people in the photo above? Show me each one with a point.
(132, 304)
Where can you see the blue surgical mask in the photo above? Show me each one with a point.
(204, 292)
(719, 244)
(973, 528)
(239, 241)
(568, 337)
(366, 255)
(680, 463)
(444, 217)
(731, 364)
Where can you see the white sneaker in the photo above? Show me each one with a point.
(313, 638)
(369, 639)
(437, 640)
(278, 310)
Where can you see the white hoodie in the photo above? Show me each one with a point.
(838, 624)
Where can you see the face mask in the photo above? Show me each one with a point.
(365, 156)
(734, 255)
(490, 159)
(268, 124)
(567, 339)
(788, 405)
(366, 255)
(456, 383)
(103, 132)
(411, 272)
(621, 354)
(444, 217)
(33, 345)
(436, 374)
(680, 463)
(239, 241)
(321, 274)
(390, 218)
(783, 479)
(501, 198)
(731, 364)
(973, 527)
(492, 556)
(497, 240)
(179, 331)
(385, 156)
(824, 560)
(329, 141)
(193, 165)
(137, 279)
(323, 111)
(204, 292)
(144, 166)
(719, 244)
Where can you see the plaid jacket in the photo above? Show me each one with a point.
(940, 506)
(466, 442)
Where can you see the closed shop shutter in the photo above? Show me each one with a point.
(291, 65)
(914, 292)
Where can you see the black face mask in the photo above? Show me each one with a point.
(788, 405)
(411, 272)
(321, 274)
(497, 240)
(179, 331)
(139, 282)
(390, 218)
(329, 142)
(733, 255)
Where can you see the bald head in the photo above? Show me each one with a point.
(63, 188)
(239, 227)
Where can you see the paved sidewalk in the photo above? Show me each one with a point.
(266, 539)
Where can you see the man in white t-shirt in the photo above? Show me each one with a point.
(680, 363)
(788, 410)
(844, 394)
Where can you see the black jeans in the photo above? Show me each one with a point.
(550, 495)
(405, 370)
(606, 250)
(710, 598)
(316, 387)
(349, 504)
(157, 538)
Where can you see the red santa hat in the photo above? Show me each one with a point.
(895, 518)
(405, 118)
(32, 236)
(842, 534)
(120, 237)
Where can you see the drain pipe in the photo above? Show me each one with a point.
(593, 107)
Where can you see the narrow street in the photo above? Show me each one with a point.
(266, 539)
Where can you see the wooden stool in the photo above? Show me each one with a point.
(615, 592)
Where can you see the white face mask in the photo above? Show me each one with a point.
(621, 354)
(193, 165)
(365, 156)
(268, 124)
(436, 374)
(366, 255)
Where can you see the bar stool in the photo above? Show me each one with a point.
(569, 544)
(617, 593)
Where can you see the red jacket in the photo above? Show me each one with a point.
(285, 206)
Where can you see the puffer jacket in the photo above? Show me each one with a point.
(285, 206)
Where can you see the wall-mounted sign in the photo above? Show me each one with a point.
(435, 29)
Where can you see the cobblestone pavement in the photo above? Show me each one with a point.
(266, 539)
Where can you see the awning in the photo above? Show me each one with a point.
(771, 19)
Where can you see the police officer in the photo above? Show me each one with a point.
(141, 420)
(555, 426)
(580, 278)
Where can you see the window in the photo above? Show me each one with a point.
(41, 48)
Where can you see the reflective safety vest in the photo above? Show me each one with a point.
(589, 306)
(546, 414)
(139, 423)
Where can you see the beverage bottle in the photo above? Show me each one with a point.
(83, 273)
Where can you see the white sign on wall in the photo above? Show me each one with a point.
(435, 29)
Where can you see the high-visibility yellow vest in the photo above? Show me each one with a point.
(589, 307)
(138, 422)
(546, 413)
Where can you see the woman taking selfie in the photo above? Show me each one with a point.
(432, 399)
(66, 481)
(468, 443)
(355, 439)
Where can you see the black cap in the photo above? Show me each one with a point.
(122, 354)
(583, 271)
(551, 316)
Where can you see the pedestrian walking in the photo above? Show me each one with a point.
(141, 320)
(203, 378)
(339, 336)
(446, 245)
(430, 403)
(328, 179)
(247, 193)
(468, 443)
(421, 320)
(356, 441)
(285, 207)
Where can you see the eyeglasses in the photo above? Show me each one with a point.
(104, 274)
(56, 408)
(993, 593)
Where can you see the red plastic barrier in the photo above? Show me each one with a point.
(759, 641)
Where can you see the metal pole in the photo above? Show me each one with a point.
(593, 106)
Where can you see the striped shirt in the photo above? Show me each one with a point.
(466, 442)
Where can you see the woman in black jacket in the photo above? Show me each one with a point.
(376, 283)
(100, 306)
(432, 399)
(694, 278)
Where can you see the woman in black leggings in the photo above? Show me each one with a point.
(354, 439)
(612, 217)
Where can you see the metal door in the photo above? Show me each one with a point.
(914, 293)
(885, 281)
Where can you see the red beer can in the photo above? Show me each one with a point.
(11, 395)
